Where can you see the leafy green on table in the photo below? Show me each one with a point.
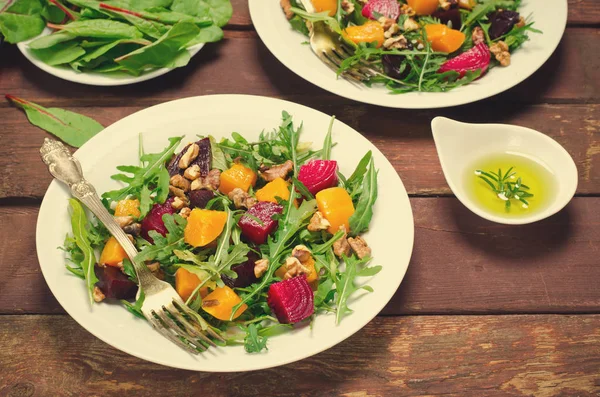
(72, 128)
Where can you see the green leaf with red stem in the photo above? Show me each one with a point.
(73, 128)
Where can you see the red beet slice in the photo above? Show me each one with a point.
(154, 221)
(376, 8)
(291, 300)
(245, 273)
(254, 231)
(476, 58)
(317, 175)
(114, 284)
(200, 198)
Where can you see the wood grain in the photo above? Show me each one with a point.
(581, 12)
(242, 64)
(404, 137)
(461, 263)
(540, 356)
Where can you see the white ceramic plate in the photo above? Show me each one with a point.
(286, 45)
(391, 234)
(91, 78)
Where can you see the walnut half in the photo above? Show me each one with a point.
(276, 171)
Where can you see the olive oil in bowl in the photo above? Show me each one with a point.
(525, 187)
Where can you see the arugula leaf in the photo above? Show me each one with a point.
(136, 307)
(73, 128)
(152, 175)
(360, 170)
(218, 157)
(290, 137)
(253, 342)
(79, 225)
(20, 20)
(359, 221)
(164, 246)
(326, 152)
(347, 286)
(479, 11)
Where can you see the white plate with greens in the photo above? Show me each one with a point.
(390, 234)
(109, 44)
(290, 48)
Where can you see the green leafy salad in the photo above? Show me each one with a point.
(255, 236)
(131, 36)
(417, 45)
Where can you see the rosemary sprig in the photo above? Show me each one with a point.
(505, 186)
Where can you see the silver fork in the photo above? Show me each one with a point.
(326, 44)
(162, 306)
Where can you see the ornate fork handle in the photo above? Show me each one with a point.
(66, 168)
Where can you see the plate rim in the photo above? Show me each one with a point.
(70, 311)
(254, 8)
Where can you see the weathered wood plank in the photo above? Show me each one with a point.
(242, 64)
(410, 356)
(403, 136)
(581, 12)
(461, 263)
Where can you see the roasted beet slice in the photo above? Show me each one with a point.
(204, 156)
(476, 58)
(451, 15)
(374, 9)
(200, 198)
(317, 175)
(254, 231)
(502, 22)
(154, 221)
(245, 273)
(114, 284)
(291, 300)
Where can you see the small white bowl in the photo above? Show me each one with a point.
(460, 144)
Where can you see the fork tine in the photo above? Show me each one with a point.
(334, 62)
(196, 319)
(191, 329)
(164, 331)
(361, 72)
(173, 326)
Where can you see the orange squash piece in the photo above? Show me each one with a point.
(444, 39)
(204, 226)
(424, 7)
(325, 5)
(186, 282)
(276, 188)
(112, 253)
(336, 206)
(237, 176)
(369, 32)
(128, 208)
(220, 303)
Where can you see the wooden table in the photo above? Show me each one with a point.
(484, 309)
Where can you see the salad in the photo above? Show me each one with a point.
(419, 45)
(131, 36)
(254, 236)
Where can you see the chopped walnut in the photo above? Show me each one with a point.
(177, 192)
(134, 229)
(260, 267)
(410, 24)
(286, 5)
(359, 246)
(277, 171)
(341, 246)
(242, 199)
(210, 181)
(348, 6)
(210, 303)
(180, 182)
(500, 51)
(318, 222)
(123, 221)
(178, 203)
(190, 155)
(98, 295)
(398, 42)
(392, 31)
(294, 268)
(155, 269)
(407, 10)
(478, 35)
(192, 173)
(521, 22)
(302, 253)
(185, 212)
(386, 23)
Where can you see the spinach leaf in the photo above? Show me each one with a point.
(102, 29)
(50, 40)
(152, 29)
(20, 20)
(219, 11)
(359, 221)
(59, 54)
(209, 34)
(51, 13)
(73, 128)
(163, 51)
(79, 225)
